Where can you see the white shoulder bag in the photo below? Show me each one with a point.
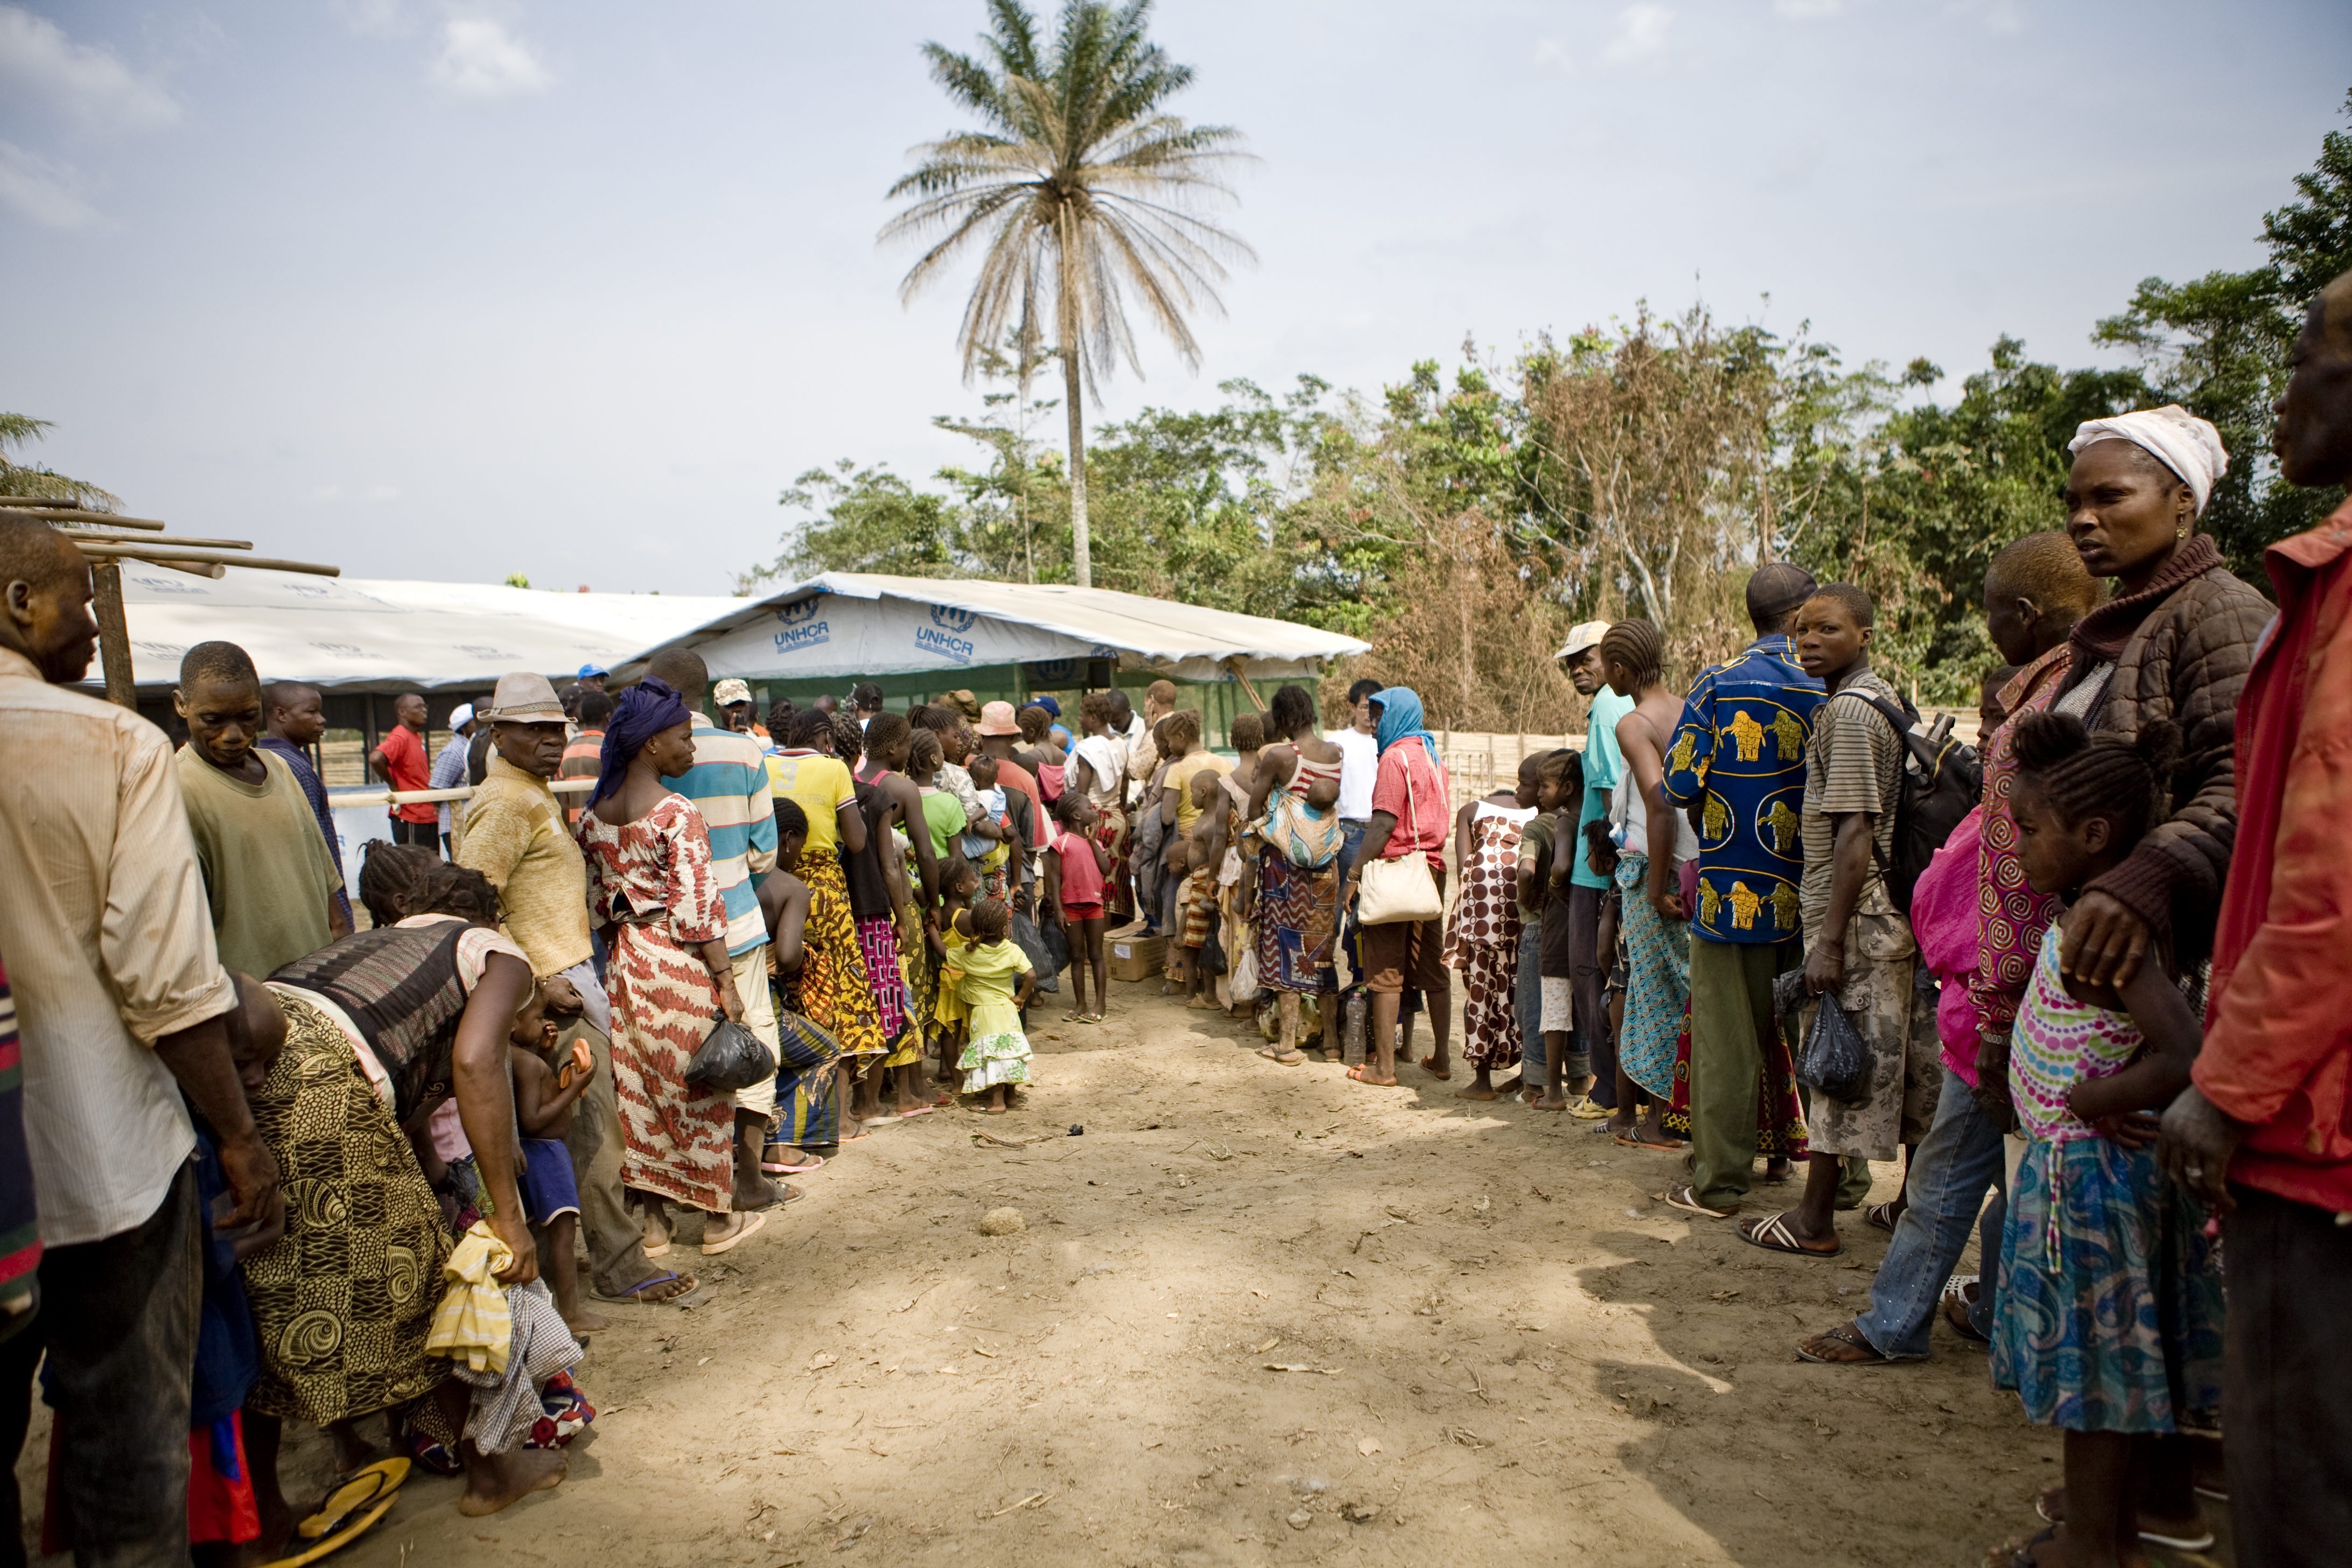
(1391, 892)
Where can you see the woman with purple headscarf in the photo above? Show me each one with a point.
(650, 886)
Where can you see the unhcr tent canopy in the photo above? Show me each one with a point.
(355, 635)
(864, 624)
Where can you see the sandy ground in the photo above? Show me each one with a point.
(1494, 1345)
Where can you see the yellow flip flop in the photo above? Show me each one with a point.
(340, 1538)
(362, 1488)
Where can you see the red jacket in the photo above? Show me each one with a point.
(2278, 1038)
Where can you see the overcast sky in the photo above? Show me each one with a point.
(451, 289)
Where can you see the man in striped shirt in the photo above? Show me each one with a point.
(728, 785)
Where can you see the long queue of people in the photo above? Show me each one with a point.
(261, 1158)
(2100, 1019)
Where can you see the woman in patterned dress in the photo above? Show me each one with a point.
(1482, 942)
(1296, 906)
(650, 886)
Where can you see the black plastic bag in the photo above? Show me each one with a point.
(1026, 937)
(1057, 946)
(729, 1057)
(1835, 1059)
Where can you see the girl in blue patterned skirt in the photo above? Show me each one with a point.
(2108, 1323)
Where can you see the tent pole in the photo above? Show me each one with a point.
(114, 632)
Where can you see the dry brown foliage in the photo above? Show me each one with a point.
(1471, 635)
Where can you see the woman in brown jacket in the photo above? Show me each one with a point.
(2176, 642)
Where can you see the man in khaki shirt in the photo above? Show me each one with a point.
(517, 836)
(121, 1003)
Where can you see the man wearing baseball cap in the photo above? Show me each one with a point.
(449, 767)
(591, 676)
(1590, 1070)
(733, 697)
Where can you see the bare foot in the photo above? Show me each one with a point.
(1550, 1102)
(670, 1289)
(494, 1481)
(583, 1323)
(1436, 1067)
(1366, 1074)
(1472, 1091)
(1202, 1005)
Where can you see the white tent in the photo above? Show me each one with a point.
(353, 634)
(865, 624)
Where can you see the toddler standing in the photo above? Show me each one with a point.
(996, 983)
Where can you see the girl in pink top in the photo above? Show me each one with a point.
(1075, 867)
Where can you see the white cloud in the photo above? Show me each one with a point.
(2003, 17)
(86, 81)
(1641, 34)
(1808, 10)
(1552, 52)
(41, 192)
(479, 59)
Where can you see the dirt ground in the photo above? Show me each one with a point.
(1257, 1315)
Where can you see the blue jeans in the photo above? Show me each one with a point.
(1950, 1171)
(1527, 1002)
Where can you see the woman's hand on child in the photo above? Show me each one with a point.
(2132, 1129)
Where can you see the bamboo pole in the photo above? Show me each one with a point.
(58, 512)
(109, 536)
(114, 634)
(144, 551)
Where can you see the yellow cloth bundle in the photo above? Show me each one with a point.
(472, 1324)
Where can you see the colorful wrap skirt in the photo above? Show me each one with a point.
(834, 988)
(1657, 980)
(2110, 1314)
(808, 1100)
(1298, 911)
(342, 1303)
(1780, 1132)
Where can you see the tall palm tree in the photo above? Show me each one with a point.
(1079, 189)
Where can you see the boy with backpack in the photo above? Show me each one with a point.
(1859, 952)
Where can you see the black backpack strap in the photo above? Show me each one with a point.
(1901, 724)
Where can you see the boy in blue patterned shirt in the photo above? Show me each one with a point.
(1739, 758)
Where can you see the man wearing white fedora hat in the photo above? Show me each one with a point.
(449, 767)
(518, 838)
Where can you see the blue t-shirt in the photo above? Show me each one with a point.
(1740, 754)
(1603, 764)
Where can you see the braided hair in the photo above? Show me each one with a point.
(1638, 646)
(389, 872)
(2080, 775)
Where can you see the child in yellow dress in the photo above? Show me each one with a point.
(958, 885)
(996, 984)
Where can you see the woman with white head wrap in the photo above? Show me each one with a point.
(2174, 644)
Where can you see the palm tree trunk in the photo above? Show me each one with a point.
(1082, 561)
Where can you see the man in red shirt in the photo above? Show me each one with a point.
(2264, 1132)
(400, 761)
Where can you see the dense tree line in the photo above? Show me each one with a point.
(1633, 468)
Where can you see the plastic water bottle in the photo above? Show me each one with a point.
(1355, 1029)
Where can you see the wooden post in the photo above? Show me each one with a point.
(114, 632)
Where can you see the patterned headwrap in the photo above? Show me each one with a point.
(645, 709)
(1400, 710)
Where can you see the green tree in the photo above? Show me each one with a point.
(2217, 345)
(16, 432)
(1079, 190)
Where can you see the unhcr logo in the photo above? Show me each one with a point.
(950, 619)
(799, 614)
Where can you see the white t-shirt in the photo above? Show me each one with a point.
(1359, 759)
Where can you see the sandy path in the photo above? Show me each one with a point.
(1516, 1355)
